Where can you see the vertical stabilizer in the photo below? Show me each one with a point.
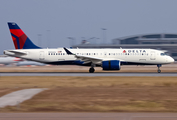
(21, 41)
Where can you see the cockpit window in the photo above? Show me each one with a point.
(167, 53)
(163, 54)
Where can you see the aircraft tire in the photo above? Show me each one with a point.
(91, 70)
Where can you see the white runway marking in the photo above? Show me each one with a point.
(17, 97)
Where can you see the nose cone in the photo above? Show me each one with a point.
(171, 60)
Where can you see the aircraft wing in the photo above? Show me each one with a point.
(84, 58)
(88, 59)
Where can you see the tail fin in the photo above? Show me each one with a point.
(21, 41)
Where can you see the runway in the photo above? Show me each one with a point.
(83, 74)
(88, 116)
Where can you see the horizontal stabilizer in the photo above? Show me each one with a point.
(17, 52)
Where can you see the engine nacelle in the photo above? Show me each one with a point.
(111, 65)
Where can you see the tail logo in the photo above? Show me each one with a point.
(21, 41)
(19, 38)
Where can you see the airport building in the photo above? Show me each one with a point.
(163, 41)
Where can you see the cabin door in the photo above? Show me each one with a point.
(152, 55)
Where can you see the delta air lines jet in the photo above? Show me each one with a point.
(108, 59)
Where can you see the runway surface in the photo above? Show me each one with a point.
(88, 116)
(84, 74)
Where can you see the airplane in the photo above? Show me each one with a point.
(108, 59)
(6, 60)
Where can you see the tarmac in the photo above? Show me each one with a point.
(88, 116)
(83, 74)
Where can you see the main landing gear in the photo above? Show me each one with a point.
(159, 71)
(92, 70)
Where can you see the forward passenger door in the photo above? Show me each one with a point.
(153, 57)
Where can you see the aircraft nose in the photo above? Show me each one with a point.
(171, 60)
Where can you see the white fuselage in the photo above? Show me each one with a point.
(59, 56)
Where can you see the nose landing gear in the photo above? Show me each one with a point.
(159, 71)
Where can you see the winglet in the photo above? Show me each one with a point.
(68, 52)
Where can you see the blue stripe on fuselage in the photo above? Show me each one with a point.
(70, 62)
(78, 62)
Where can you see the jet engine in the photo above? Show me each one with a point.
(111, 65)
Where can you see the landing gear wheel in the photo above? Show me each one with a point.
(91, 70)
(159, 71)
